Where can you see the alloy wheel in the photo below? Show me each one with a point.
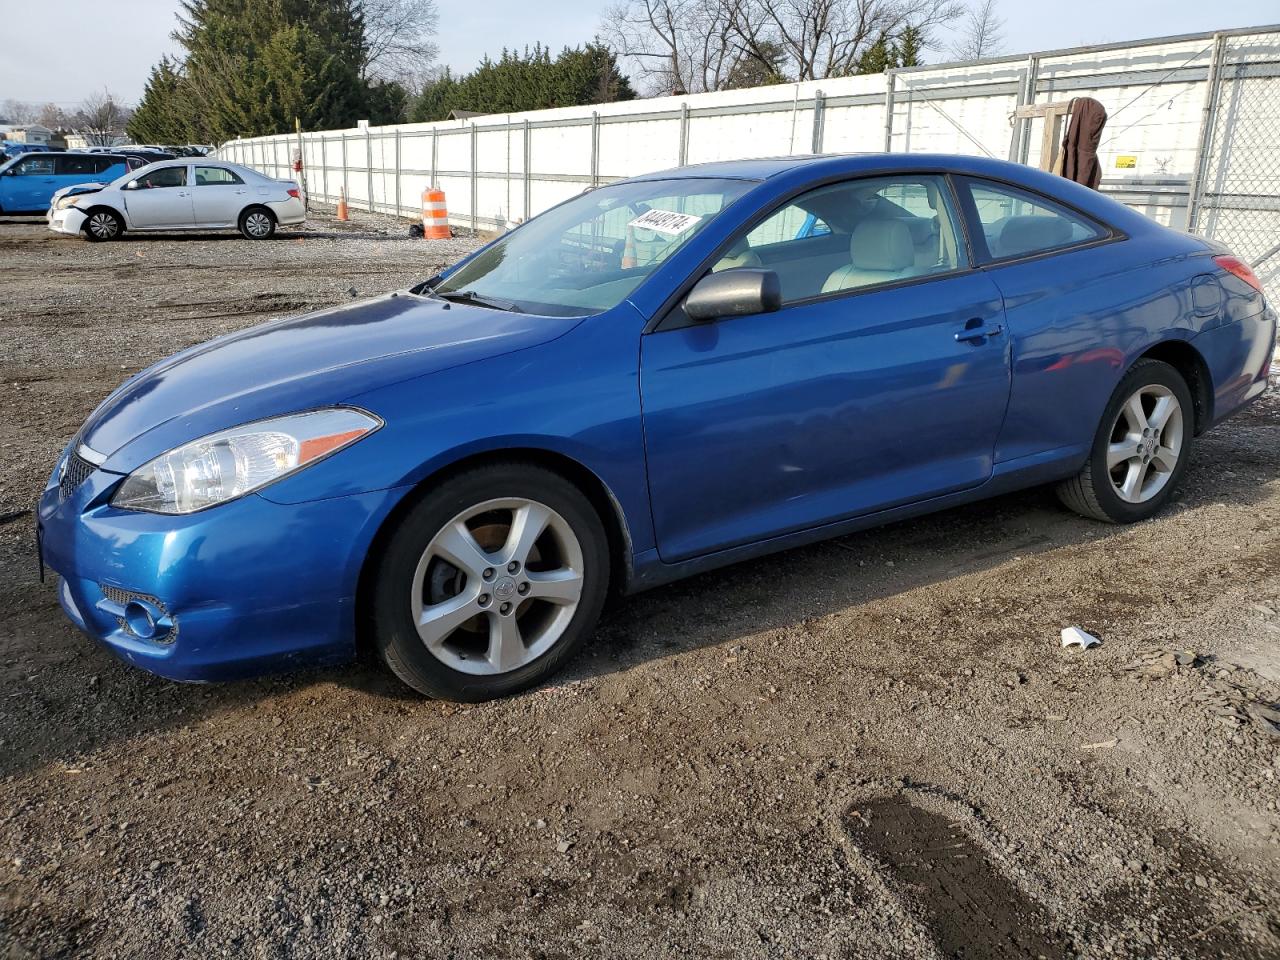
(497, 586)
(257, 224)
(103, 226)
(1146, 442)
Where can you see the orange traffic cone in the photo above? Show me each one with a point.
(342, 204)
(629, 251)
(435, 215)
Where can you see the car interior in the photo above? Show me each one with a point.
(844, 236)
(856, 237)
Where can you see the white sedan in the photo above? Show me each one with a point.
(187, 194)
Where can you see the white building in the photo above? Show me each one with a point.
(30, 133)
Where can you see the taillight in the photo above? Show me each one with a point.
(1236, 266)
(293, 192)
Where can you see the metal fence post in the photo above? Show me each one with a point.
(1024, 131)
(324, 166)
(435, 154)
(302, 173)
(346, 191)
(398, 210)
(368, 163)
(890, 77)
(1026, 95)
(684, 135)
(1208, 120)
(475, 182)
(528, 173)
(819, 118)
(595, 148)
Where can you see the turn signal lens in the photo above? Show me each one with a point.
(1235, 265)
(230, 464)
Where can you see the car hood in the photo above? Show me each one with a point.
(300, 363)
(76, 189)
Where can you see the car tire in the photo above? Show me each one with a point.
(457, 623)
(103, 224)
(1140, 450)
(257, 223)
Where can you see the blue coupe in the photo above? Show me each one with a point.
(657, 377)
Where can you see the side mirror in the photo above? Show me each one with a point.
(131, 185)
(734, 293)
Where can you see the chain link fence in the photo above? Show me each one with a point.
(1238, 195)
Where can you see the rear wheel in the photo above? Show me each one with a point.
(257, 223)
(103, 224)
(490, 583)
(1140, 450)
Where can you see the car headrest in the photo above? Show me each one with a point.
(881, 245)
(1025, 234)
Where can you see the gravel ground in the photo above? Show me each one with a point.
(873, 747)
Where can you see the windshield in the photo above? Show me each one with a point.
(587, 255)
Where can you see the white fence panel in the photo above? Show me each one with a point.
(1163, 143)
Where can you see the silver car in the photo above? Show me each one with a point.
(187, 194)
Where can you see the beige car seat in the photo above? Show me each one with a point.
(879, 251)
(739, 255)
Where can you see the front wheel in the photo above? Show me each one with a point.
(1140, 450)
(103, 224)
(490, 583)
(257, 223)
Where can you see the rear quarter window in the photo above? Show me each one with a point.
(1015, 223)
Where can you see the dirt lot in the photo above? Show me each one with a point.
(873, 747)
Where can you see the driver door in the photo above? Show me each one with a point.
(883, 379)
(30, 183)
(160, 198)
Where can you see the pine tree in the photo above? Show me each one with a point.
(766, 66)
(252, 66)
(908, 48)
(878, 57)
(533, 80)
(161, 115)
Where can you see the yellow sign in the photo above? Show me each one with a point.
(1126, 163)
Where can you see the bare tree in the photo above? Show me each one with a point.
(675, 46)
(697, 45)
(398, 36)
(827, 38)
(980, 33)
(54, 117)
(100, 120)
(19, 111)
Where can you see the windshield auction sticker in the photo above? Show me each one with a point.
(664, 221)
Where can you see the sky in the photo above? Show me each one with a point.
(63, 50)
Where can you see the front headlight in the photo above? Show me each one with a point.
(231, 463)
(65, 202)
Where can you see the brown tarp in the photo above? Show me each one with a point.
(1080, 145)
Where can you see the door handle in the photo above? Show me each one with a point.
(975, 331)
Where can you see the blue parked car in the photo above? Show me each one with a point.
(29, 181)
(655, 378)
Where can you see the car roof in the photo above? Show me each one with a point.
(800, 171)
(201, 161)
(761, 168)
(69, 153)
(818, 164)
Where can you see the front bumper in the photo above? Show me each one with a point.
(70, 220)
(247, 587)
